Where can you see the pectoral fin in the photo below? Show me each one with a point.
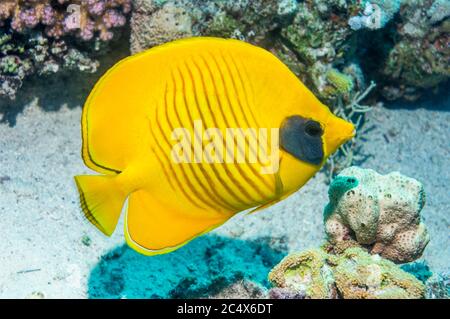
(278, 195)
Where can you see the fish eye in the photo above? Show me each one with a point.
(313, 128)
(300, 137)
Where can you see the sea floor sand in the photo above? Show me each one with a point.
(48, 248)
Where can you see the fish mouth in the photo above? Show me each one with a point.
(350, 133)
(337, 132)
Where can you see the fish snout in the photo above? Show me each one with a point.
(337, 132)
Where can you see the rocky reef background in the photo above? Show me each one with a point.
(335, 47)
(44, 37)
(346, 51)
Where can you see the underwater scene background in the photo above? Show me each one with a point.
(348, 233)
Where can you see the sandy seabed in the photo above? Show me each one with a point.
(48, 249)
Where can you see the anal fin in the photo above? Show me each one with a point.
(153, 228)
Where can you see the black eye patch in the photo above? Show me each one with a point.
(302, 138)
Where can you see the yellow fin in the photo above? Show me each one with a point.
(101, 200)
(152, 228)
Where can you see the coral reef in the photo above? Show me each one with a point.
(352, 274)
(307, 36)
(340, 83)
(286, 293)
(158, 23)
(380, 212)
(420, 57)
(361, 275)
(303, 274)
(372, 222)
(376, 14)
(44, 37)
(155, 22)
(312, 44)
(353, 42)
(336, 47)
(83, 18)
(438, 11)
(25, 55)
(268, 23)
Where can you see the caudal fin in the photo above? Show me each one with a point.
(101, 200)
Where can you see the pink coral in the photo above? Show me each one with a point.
(84, 18)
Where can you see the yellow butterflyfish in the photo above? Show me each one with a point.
(194, 131)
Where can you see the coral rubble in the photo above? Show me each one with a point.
(243, 289)
(380, 212)
(44, 37)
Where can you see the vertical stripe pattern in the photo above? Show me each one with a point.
(213, 89)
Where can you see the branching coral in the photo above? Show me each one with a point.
(44, 37)
(81, 17)
(22, 56)
(354, 112)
